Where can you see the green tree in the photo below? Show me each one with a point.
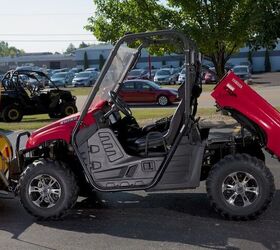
(267, 64)
(70, 49)
(101, 61)
(219, 27)
(83, 45)
(86, 62)
(266, 25)
(6, 50)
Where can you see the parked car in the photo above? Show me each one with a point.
(182, 76)
(247, 64)
(228, 66)
(55, 71)
(145, 91)
(75, 71)
(138, 74)
(243, 72)
(153, 72)
(35, 81)
(92, 69)
(166, 76)
(49, 72)
(210, 76)
(85, 78)
(61, 79)
(65, 70)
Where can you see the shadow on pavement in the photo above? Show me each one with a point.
(11, 214)
(171, 217)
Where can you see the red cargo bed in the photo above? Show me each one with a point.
(233, 94)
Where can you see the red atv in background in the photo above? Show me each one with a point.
(103, 149)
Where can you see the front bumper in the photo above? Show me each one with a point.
(164, 81)
(80, 84)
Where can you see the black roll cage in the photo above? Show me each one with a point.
(189, 53)
(30, 73)
(190, 60)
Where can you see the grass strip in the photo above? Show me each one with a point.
(142, 115)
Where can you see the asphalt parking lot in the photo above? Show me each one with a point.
(140, 220)
(266, 84)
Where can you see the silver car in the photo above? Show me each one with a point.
(243, 72)
(61, 79)
(182, 76)
(166, 76)
(85, 78)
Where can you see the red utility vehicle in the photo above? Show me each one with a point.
(99, 150)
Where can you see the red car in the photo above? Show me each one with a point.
(144, 91)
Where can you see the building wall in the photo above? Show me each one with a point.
(94, 52)
(176, 60)
(258, 58)
(40, 60)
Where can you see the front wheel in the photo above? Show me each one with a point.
(240, 187)
(47, 189)
(163, 100)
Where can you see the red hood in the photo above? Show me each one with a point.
(66, 121)
(61, 129)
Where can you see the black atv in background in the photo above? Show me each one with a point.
(23, 93)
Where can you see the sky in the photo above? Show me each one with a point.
(45, 20)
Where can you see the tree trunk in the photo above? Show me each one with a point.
(219, 63)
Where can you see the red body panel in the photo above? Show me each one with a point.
(61, 129)
(232, 92)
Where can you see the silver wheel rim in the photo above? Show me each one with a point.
(44, 191)
(162, 100)
(240, 189)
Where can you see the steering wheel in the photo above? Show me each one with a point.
(119, 103)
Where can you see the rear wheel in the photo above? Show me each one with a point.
(68, 109)
(47, 189)
(12, 113)
(240, 187)
(163, 100)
